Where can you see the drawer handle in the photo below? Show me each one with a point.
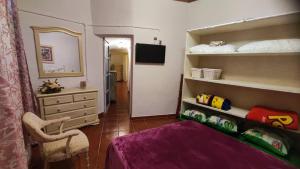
(57, 101)
(84, 97)
(58, 110)
(85, 106)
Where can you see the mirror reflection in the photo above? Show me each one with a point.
(58, 52)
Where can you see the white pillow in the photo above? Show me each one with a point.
(203, 48)
(271, 46)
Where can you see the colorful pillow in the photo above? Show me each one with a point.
(269, 141)
(214, 101)
(223, 124)
(276, 118)
(194, 115)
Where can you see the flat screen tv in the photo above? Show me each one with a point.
(147, 53)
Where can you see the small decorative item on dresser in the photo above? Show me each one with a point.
(50, 87)
(82, 84)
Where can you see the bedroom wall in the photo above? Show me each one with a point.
(211, 12)
(143, 19)
(77, 18)
(155, 87)
(165, 19)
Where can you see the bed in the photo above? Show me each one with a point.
(186, 145)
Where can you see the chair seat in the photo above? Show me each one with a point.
(56, 151)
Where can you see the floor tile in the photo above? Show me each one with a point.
(124, 132)
(125, 125)
(110, 127)
(139, 125)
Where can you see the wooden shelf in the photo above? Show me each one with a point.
(234, 111)
(254, 85)
(245, 54)
(250, 23)
(283, 65)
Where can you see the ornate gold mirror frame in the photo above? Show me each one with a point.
(42, 73)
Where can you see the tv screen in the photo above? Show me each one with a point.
(147, 53)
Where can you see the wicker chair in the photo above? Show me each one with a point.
(56, 147)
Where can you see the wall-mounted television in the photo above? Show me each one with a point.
(148, 53)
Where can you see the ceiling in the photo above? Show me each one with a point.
(188, 1)
(119, 45)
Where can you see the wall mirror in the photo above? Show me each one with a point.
(58, 52)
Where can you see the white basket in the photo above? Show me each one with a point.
(197, 73)
(212, 74)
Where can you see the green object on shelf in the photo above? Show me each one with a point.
(223, 124)
(292, 158)
(194, 115)
(270, 141)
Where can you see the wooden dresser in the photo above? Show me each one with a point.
(79, 104)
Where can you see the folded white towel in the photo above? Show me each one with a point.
(271, 46)
(203, 48)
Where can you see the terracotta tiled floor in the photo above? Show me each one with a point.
(116, 122)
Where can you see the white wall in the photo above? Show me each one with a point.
(211, 12)
(70, 14)
(155, 87)
(116, 59)
(76, 10)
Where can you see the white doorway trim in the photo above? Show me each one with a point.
(131, 37)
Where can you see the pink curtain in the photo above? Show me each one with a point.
(16, 96)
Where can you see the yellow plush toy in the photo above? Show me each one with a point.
(203, 99)
(214, 101)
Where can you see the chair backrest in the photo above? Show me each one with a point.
(34, 126)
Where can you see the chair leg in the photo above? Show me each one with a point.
(74, 162)
(79, 159)
(87, 160)
(46, 165)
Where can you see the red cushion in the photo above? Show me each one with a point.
(276, 118)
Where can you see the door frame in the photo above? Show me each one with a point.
(131, 37)
(105, 44)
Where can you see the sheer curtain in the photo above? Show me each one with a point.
(16, 96)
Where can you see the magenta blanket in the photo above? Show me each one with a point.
(186, 145)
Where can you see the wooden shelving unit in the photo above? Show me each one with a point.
(241, 54)
(254, 85)
(270, 79)
(234, 111)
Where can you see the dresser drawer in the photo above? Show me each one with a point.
(73, 114)
(58, 100)
(91, 118)
(85, 96)
(73, 123)
(69, 107)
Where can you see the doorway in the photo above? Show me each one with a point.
(117, 73)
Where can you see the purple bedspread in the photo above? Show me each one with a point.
(186, 145)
